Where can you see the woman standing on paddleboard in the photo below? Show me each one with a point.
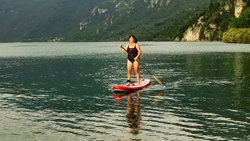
(134, 51)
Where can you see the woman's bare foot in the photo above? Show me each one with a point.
(127, 84)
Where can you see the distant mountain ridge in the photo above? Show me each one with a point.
(93, 20)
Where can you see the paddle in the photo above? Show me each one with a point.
(143, 66)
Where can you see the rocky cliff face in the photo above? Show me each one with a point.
(192, 33)
(238, 7)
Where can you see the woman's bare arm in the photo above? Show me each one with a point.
(124, 51)
(139, 51)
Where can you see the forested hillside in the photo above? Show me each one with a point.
(149, 20)
(211, 21)
(93, 20)
(41, 19)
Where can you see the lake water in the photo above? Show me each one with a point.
(63, 91)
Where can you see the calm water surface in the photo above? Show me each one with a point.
(62, 91)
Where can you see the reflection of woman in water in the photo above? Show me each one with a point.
(133, 115)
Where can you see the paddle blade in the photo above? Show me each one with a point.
(157, 80)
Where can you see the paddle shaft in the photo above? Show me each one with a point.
(143, 66)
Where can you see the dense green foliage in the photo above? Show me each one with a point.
(243, 21)
(36, 20)
(237, 35)
(215, 13)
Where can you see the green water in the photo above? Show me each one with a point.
(63, 91)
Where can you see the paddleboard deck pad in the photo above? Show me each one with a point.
(131, 87)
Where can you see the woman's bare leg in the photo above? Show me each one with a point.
(136, 68)
(129, 69)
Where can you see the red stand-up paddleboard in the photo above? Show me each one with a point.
(132, 87)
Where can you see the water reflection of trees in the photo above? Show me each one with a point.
(241, 79)
(232, 67)
(133, 115)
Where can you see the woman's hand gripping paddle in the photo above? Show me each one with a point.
(143, 66)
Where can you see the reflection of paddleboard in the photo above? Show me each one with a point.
(131, 87)
(120, 96)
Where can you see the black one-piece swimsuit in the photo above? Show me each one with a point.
(134, 52)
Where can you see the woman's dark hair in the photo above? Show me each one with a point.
(134, 38)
